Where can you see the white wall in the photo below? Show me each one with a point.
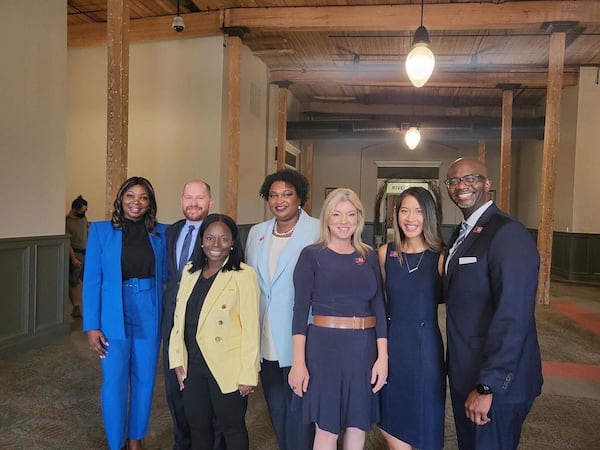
(32, 117)
(175, 121)
(352, 164)
(586, 214)
(253, 137)
(577, 163)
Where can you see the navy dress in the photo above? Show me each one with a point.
(413, 399)
(339, 361)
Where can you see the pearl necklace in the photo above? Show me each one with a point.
(414, 269)
(285, 233)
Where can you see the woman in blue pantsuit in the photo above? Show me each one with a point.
(122, 300)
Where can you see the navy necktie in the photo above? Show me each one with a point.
(185, 250)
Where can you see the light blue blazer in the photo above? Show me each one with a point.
(102, 279)
(277, 296)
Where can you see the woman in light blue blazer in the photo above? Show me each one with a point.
(122, 300)
(272, 249)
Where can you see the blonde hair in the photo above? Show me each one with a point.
(335, 197)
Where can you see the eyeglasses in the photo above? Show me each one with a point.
(469, 180)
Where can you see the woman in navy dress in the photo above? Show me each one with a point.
(340, 360)
(412, 414)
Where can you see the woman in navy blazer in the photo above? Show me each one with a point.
(122, 297)
(273, 248)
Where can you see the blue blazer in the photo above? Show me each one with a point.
(490, 289)
(102, 280)
(277, 295)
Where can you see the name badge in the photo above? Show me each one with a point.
(467, 260)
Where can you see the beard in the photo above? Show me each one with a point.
(80, 215)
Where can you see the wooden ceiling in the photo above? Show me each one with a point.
(345, 58)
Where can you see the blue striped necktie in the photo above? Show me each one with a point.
(185, 250)
(462, 234)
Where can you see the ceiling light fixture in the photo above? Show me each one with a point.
(412, 137)
(420, 61)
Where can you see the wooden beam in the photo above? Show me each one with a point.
(281, 126)
(118, 100)
(522, 15)
(505, 150)
(149, 29)
(441, 16)
(416, 110)
(551, 141)
(465, 79)
(309, 150)
(234, 46)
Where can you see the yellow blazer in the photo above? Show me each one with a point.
(228, 331)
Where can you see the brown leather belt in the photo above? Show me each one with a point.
(347, 323)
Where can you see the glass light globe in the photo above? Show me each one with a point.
(412, 137)
(419, 64)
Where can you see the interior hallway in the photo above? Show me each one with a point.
(50, 396)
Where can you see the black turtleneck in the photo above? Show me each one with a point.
(137, 256)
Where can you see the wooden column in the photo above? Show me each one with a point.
(282, 123)
(551, 140)
(234, 47)
(118, 99)
(505, 148)
(308, 173)
(482, 151)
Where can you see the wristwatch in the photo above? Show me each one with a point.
(483, 389)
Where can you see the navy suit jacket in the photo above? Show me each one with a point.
(172, 286)
(103, 280)
(490, 289)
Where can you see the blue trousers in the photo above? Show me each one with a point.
(129, 369)
(291, 433)
(503, 432)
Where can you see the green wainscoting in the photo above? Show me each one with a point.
(34, 301)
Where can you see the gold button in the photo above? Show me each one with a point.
(220, 322)
(217, 339)
(223, 306)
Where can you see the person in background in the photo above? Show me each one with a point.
(340, 360)
(196, 201)
(413, 400)
(215, 339)
(122, 296)
(76, 226)
(273, 248)
(490, 283)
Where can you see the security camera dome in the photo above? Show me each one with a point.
(178, 24)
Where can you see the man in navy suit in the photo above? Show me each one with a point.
(196, 202)
(490, 282)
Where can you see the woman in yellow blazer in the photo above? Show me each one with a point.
(215, 340)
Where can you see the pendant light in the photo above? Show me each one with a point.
(420, 61)
(412, 137)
